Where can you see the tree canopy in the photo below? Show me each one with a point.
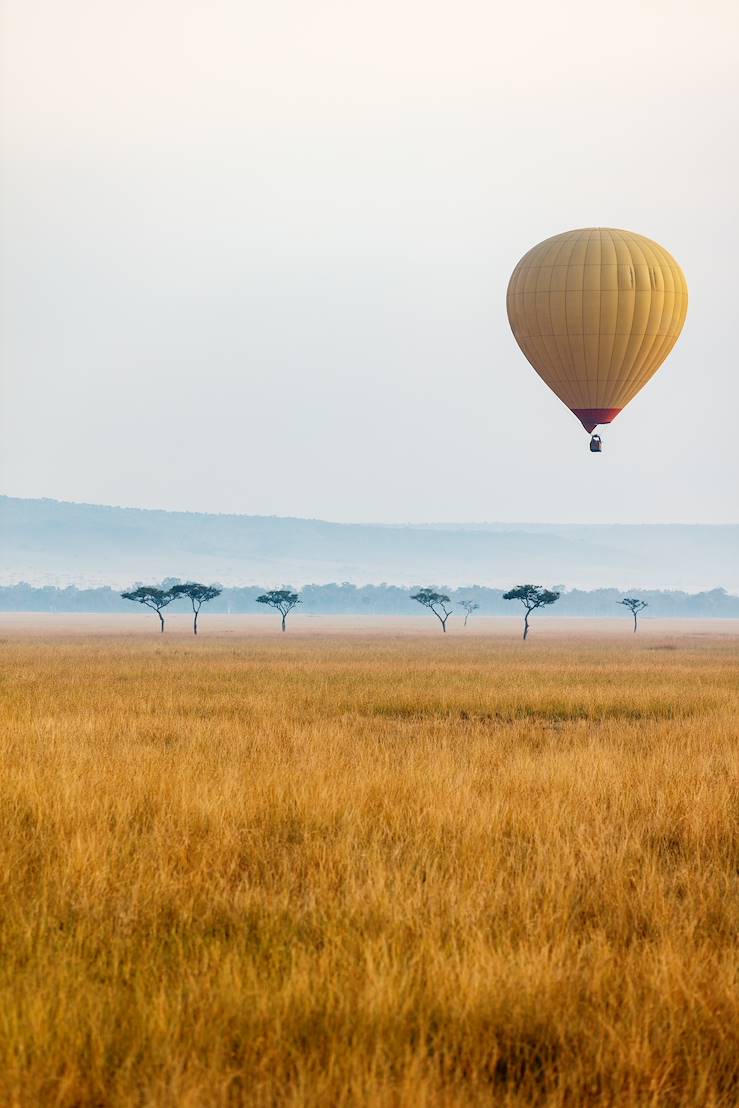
(152, 597)
(284, 600)
(532, 597)
(635, 606)
(198, 594)
(436, 602)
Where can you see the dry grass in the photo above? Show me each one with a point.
(383, 871)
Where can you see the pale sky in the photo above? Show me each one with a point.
(254, 255)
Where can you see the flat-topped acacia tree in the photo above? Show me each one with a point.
(635, 606)
(284, 600)
(532, 597)
(198, 595)
(152, 597)
(436, 602)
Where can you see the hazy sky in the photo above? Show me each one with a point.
(254, 255)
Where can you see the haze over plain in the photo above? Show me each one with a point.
(255, 257)
(50, 543)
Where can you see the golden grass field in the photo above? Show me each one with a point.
(381, 868)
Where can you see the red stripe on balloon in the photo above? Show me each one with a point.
(591, 417)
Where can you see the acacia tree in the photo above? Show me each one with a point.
(635, 606)
(198, 595)
(532, 597)
(469, 606)
(435, 602)
(284, 600)
(151, 596)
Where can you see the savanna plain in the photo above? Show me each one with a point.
(379, 866)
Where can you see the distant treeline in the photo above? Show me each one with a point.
(392, 600)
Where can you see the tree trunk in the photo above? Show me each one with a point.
(443, 625)
(283, 623)
(195, 624)
(634, 622)
(161, 620)
(465, 619)
(525, 626)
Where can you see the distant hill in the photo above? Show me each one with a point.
(54, 542)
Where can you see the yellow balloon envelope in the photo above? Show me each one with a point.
(596, 312)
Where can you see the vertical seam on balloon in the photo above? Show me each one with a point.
(568, 377)
(648, 342)
(581, 380)
(642, 371)
(588, 381)
(617, 367)
(618, 311)
(665, 326)
(546, 339)
(600, 310)
(593, 382)
(585, 378)
(652, 364)
(668, 334)
(510, 294)
(636, 251)
(600, 305)
(537, 352)
(546, 332)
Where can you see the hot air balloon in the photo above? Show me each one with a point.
(596, 312)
